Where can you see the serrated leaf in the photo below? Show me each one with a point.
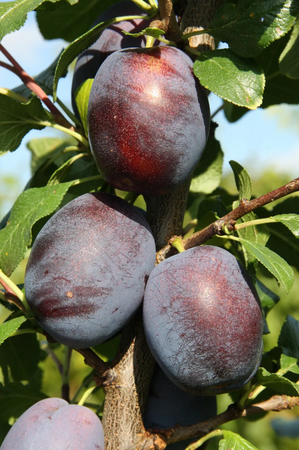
(31, 206)
(289, 364)
(233, 441)
(291, 221)
(13, 15)
(289, 337)
(289, 59)
(77, 46)
(208, 173)
(17, 119)
(243, 180)
(15, 398)
(44, 80)
(238, 80)
(277, 383)
(82, 98)
(9, 327)
(279, 268)
(252, 25)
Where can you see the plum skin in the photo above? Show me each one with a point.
(148, 119)
(54, 424)
(110, 40)
(87, 270)
(203, 321)
(168, 405)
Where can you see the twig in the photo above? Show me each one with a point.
(93, 360)
(34, 87)
(229, 220)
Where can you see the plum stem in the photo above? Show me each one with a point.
(86, 394)
(177, 243)
(13, 293)
(201, 441)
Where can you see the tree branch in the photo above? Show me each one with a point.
(229, 220)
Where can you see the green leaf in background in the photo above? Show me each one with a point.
(279, 88)
(233, 112)
(289, 337)
(9, 327)
(242, 180)
(44, 80)
(44, 148)
(21, 355)
(238, 80)
(233, 441)
(279, 268)
(289, 59)
(17, 119)
(251, 25)
(267, 297)
(208, 173)
(15, 399)
(82, 97)
(69, 22)
(30, 206)
(277, 383)
(289, 364)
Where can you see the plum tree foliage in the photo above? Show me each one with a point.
(136, 179)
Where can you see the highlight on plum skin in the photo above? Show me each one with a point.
(148, 119)
(203, 321)
(87, 270)
(53, 424)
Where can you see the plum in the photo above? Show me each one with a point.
(148, 119)
(53, 424)
(111, 39)
(87, 270)
(169, 405)
(203, 321)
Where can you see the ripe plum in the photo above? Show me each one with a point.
(87, 270)
(53, 424)
(203, 321)
(148, 119)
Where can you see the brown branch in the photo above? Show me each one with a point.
(168, 21)
(93, 360)
(179, 433)
(229, 220)
(35, 88)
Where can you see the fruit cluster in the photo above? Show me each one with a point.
(93, 262)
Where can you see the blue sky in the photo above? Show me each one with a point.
(261, 139)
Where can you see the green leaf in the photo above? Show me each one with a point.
(15, 399)
(279, 88)
(9, 327)
(289, 59)
(44, 148)
(289, 364)
(291, 221)
(238, 80)
(69, 22)
(289, 337)
(44, 80)
(31, 206)
(17, 119)
(283, 273)
(21, 355)
(277, 383)
(233, 441)
(267, 297)
(233, 112)
(251, 25)
(242, 180)
(208, 173)
(13, 15)
(82, 97)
